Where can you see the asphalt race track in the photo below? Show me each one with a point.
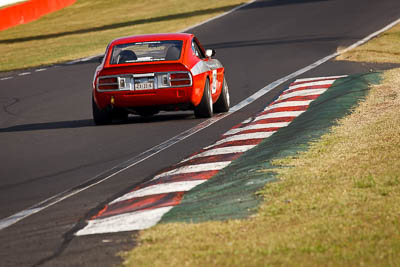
(49, 143)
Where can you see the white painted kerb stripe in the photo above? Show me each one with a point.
(319, 83)
(221, 151)
(319, 78)
(124, 222)
(302, 93)
(258, 126)
(282, 114)
(289, 104)
(215, 166)
(238, 137)
(160, 189)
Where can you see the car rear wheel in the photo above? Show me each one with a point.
(205, 108)
(101, 116)
(223, 102)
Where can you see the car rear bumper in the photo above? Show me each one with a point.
(145, 98)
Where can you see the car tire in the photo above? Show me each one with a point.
(101, 116)
(223, 102)
(205, 108)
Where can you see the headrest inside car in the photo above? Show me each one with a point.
(173, 53)
(126, 56)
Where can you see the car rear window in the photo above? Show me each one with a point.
(146, 51)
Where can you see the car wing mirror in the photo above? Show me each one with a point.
(210, 52)
(101, 59)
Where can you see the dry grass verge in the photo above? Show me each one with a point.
(384, 49)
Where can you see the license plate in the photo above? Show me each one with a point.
(144, 85)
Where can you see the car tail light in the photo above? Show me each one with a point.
(180, 83)
(108, 80)
(107, 87)
(180, 76)
(180, 79)
(174, 79)
(108, 83)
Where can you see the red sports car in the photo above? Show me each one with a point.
(149, 73)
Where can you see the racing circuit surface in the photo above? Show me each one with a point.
(49, 143)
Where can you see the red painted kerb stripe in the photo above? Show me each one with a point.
(29, 11)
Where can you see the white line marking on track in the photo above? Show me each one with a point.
(125, 222)
(8, 221)
(160, 189)
(221, 151)
(24, 73)
(6, 78)
(215, 166)
(40, 70)
(257, 126)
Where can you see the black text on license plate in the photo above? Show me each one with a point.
(144, 86)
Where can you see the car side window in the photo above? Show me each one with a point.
(196, 50)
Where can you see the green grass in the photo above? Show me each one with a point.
(336, 204)
(86, 27)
